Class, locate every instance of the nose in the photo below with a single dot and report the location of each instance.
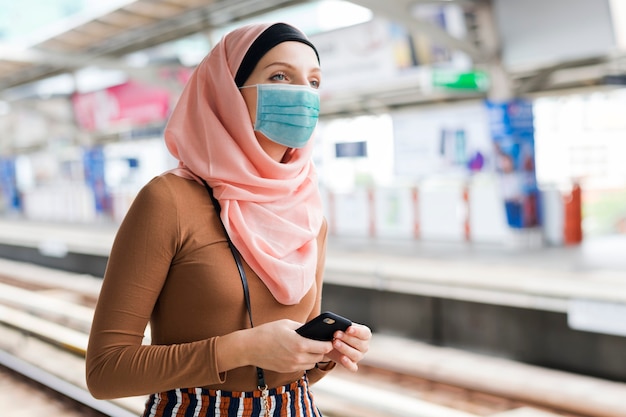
(301, 79)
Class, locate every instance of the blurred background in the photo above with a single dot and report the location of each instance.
(435, 98)
(471, 156)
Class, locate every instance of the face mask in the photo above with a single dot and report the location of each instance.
(286, 114)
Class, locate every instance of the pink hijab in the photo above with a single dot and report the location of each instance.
(272, 211)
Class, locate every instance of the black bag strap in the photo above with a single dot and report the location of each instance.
(242, 274)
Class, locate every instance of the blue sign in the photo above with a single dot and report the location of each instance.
(350, 149)
(511, 124)
(8, 184)
(94, 176)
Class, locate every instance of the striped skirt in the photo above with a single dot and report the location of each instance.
(291, 400)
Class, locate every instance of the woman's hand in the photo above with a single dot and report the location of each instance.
(274, 346)
(350, 347)
(277, 347)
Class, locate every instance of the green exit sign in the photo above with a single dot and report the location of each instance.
(456, 80)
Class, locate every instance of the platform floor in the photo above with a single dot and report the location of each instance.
(595, 267)
(593, 254)
(518, 274)
(600, 253)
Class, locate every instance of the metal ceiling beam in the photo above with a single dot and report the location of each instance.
(194, 21)
(222, 12)
(587, 69)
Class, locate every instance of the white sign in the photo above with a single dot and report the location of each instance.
(436, 139)
(597, 316)
(359, 55)
(556, 34)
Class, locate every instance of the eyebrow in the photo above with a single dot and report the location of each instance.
(286, 64)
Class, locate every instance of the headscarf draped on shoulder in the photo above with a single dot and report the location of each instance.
(272, 211)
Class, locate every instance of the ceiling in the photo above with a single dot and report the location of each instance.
(104, 39)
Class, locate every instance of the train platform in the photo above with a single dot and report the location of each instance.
(561, 306)
(586, 282)
(541, 277)
(592, 254)
(530, 276)
(529, 389)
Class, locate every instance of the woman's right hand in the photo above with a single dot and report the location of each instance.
(279, 348)
(273, 346)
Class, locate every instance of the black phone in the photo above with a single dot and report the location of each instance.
(324, 326)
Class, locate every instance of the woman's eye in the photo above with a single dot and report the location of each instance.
(314, 84)
(278, 77)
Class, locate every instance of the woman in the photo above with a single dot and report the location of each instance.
(171, 265)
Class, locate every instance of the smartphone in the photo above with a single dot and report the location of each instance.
(324, 326)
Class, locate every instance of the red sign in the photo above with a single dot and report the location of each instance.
(128, 104)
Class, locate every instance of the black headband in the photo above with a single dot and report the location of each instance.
(272, 36)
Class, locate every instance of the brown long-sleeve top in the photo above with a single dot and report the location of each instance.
(171, 266)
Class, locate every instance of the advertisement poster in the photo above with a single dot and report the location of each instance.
(512, 130)
(437, 140)
(8, 185)
(128, 104)
(94, 177)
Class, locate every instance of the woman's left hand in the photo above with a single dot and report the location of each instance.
(350, 346)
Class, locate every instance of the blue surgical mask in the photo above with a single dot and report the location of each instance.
(286, 114)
